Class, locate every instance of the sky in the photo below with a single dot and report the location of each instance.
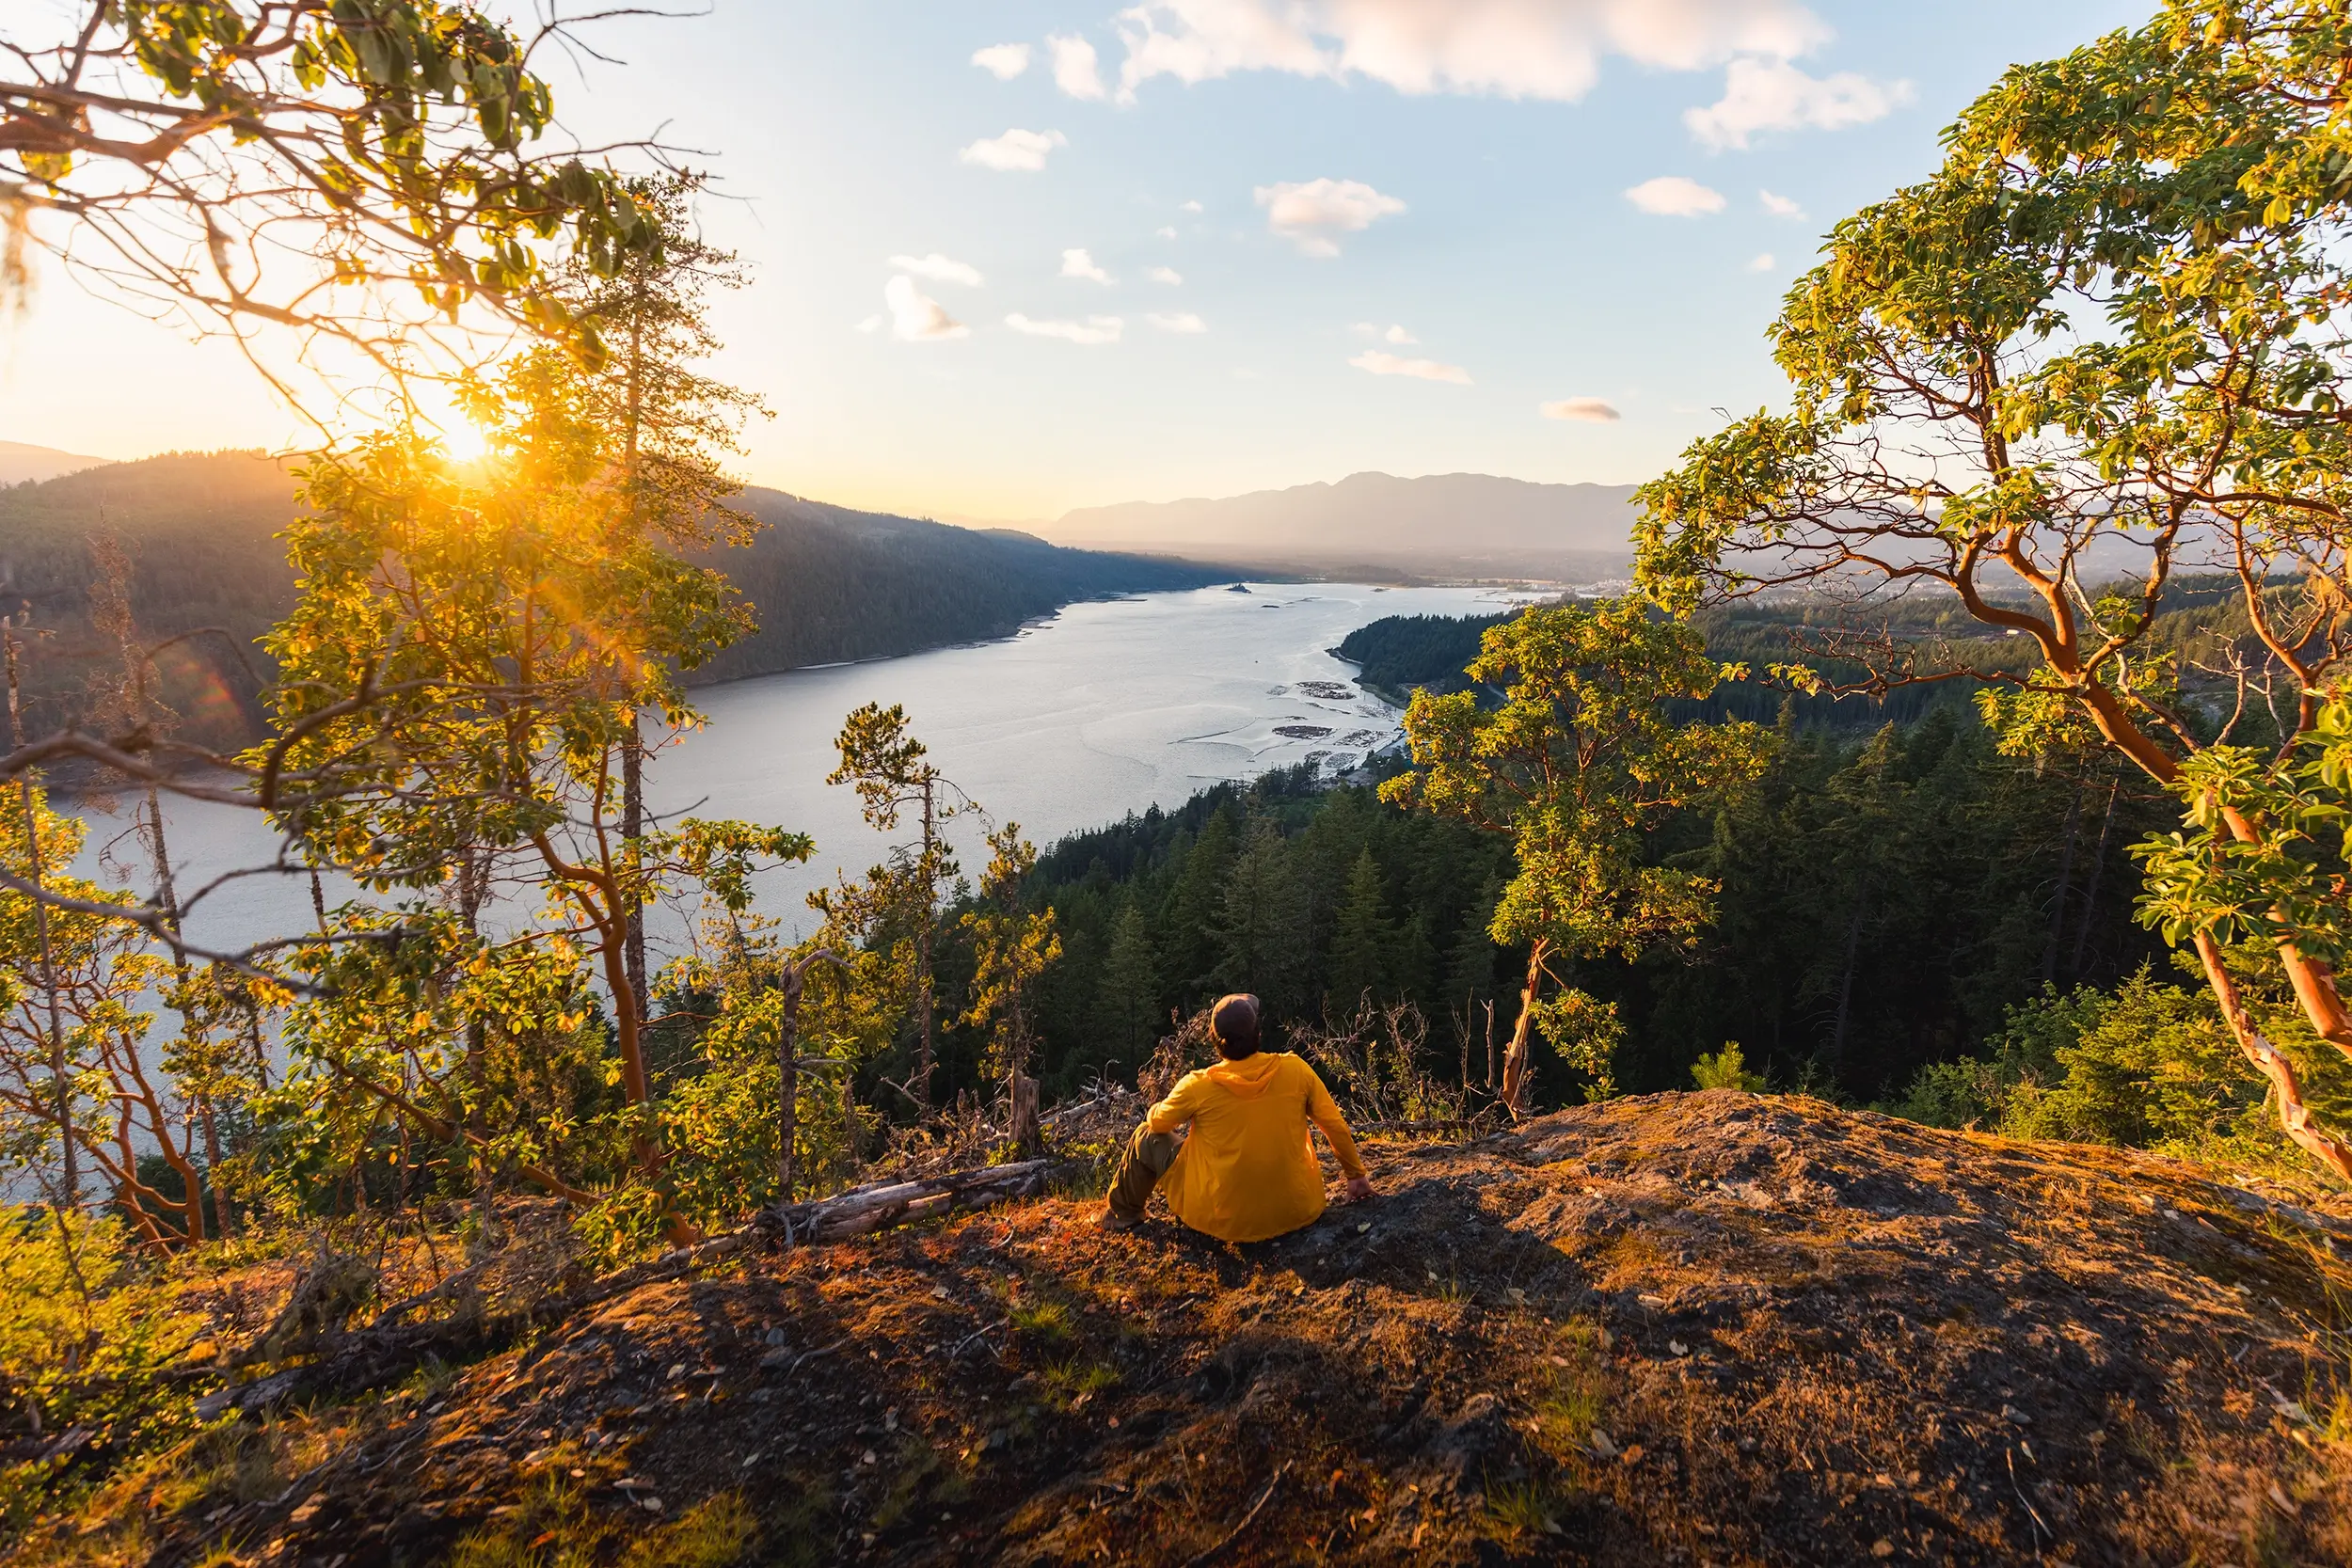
(1012, 259)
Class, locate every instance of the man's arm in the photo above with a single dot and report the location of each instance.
(1324, 1113)
(1178, 1108)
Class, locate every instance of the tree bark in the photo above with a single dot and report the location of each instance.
(1021, 1092)
(789, 1066)
(2313, 981)
(2294, 1115)
(1515, 1060)
(633, 829)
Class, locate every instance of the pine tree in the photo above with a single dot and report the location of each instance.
(1197, 904)
(1259, 928)
(1470, 964)
(1360, 946)
(1126, 1010)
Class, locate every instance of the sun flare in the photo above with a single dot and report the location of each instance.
(462, 440)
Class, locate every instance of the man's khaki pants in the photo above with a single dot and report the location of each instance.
(1141, 1164)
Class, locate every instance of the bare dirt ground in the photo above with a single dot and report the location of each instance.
(1702, 1329)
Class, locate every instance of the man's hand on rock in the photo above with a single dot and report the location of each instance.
(1359, 1188)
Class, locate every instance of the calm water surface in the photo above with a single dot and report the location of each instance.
(1104, 709)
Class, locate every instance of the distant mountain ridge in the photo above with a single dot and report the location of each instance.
(1434, 521)
(830, 585)
(21, 463)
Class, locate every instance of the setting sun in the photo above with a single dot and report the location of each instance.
(463, 440)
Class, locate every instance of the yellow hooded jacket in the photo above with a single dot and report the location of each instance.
(1248, 1172)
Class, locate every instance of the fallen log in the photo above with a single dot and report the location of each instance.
(880, 1205)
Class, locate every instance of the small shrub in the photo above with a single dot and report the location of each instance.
(1726, 1069)
(1377, 1066)
(87, 1328)
(1049, 1321)
(555, 1527)
(2146, 1066)
(1073, 1379)
(1523, 1508)
(713, 1534)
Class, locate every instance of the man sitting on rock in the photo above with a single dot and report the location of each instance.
(1247, 1171)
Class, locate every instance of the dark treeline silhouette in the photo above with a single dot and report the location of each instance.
(1397, 653)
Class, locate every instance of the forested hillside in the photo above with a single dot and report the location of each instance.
(1869, 923)
(833, 585)
(1397, 653)
(200, 535)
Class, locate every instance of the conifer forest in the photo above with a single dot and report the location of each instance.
(1843, 1026)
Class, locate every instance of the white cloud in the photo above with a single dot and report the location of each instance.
(1761, 264)
(916, 317)
(1168, 232)
(1672, 195)
(1074, 70)
(1090, 333)
(1779, 206)
(1015, 151)
(1379, 363)
(871, 324)
(1310, 212)
(1180, 321)
(1515, 48)
(1393, 334)
(1775, 95)
(1189, 207)
(1003, 61)
(1169, 276)
(1077, 264)
(1398, 335)
(939, 269)
(1598, 410)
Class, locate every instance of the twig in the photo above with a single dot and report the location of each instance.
(988, 1328)
(2023, 1498)
(827, 1350)
(1247, 1520)
(447, 1287)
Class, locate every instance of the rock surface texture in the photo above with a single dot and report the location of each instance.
(1685, 1328)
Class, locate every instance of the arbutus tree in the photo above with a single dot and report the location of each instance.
(473, 648)
(1579, 759)
(376, 177)
(364, 172)
(2103, 344)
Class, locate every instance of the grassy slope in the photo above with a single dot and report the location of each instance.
(1706, 1327)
